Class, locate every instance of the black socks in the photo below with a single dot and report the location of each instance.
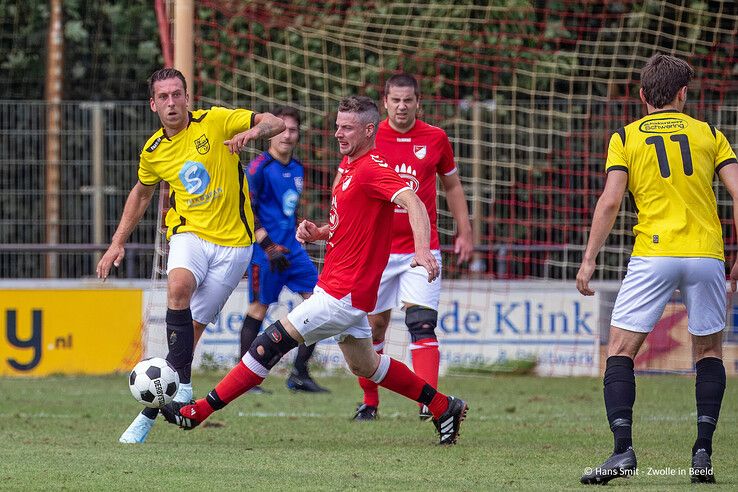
(620, 393)
(304, 352)
(249, 331)
(181, 342)
(709, 389)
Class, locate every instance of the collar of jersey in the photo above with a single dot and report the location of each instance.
(189, 120)
(386, 120)
(352, 164)
(274, 159)
(664, 111)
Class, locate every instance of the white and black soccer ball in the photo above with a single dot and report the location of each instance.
(153, 382)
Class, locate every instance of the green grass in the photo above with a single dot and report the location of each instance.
(522, 432)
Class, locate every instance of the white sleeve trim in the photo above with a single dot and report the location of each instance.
(454, 170)
(399, 191)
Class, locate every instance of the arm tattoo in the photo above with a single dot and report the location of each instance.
(265, 129)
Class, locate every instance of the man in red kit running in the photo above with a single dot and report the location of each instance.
(419, 152)
(358, 247)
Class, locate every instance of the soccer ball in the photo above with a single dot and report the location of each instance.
(153, 382)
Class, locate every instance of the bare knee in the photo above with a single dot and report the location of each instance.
(180, 286)
(379, 323)
(361, 370)
(624, 343)
(707, 346)
(257, 310)
(360, 358)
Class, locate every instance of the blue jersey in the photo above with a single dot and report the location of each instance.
(275, 193)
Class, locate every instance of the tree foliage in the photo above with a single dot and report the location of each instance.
(110, 48)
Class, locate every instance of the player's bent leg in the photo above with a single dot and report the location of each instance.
(448, 412)
(368, 410)
(299, 378)
(421, 324)
(709, 390)
(180, 342)
(264, 353)
(181, 284)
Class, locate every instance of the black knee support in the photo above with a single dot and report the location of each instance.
(421, 322)
(271, 345)
(180, 342)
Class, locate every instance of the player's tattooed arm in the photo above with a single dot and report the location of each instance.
(266, 126)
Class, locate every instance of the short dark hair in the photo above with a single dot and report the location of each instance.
(363, 106)
(164, 74)
(287, 111)
(662, 78)
(402, 80)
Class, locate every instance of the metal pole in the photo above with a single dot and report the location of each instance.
(477, 264)
(98, 181)
(184, 47)
(53, 94)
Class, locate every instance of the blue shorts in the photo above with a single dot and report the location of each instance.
(265, 285)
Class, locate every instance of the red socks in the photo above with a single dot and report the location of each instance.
(402, 380)
(426, 358)
(371, 392)
(438, 405)
(237, 382)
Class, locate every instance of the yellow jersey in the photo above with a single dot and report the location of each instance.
(208, 192)
(671, 160)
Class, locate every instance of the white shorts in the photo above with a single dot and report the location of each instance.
(651, 281)
(401, 284)
(217, 270)
(322, 316)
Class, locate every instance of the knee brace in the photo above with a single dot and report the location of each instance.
(421, 322)
(271, 345)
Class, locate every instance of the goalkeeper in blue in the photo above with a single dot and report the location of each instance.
(275, 183)
(668, 161)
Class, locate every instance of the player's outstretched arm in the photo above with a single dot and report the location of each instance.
(308, 232)
(729, 176)
(605, 213)
(456, 200)
(136, 203)
(420, 225)
(266, 126)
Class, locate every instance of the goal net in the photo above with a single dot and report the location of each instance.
(529, 93)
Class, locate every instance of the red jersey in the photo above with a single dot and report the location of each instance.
(358, 243)
(418, 156)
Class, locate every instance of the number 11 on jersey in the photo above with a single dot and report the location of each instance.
(660, 146)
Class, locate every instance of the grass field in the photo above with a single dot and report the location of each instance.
(522, 432)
